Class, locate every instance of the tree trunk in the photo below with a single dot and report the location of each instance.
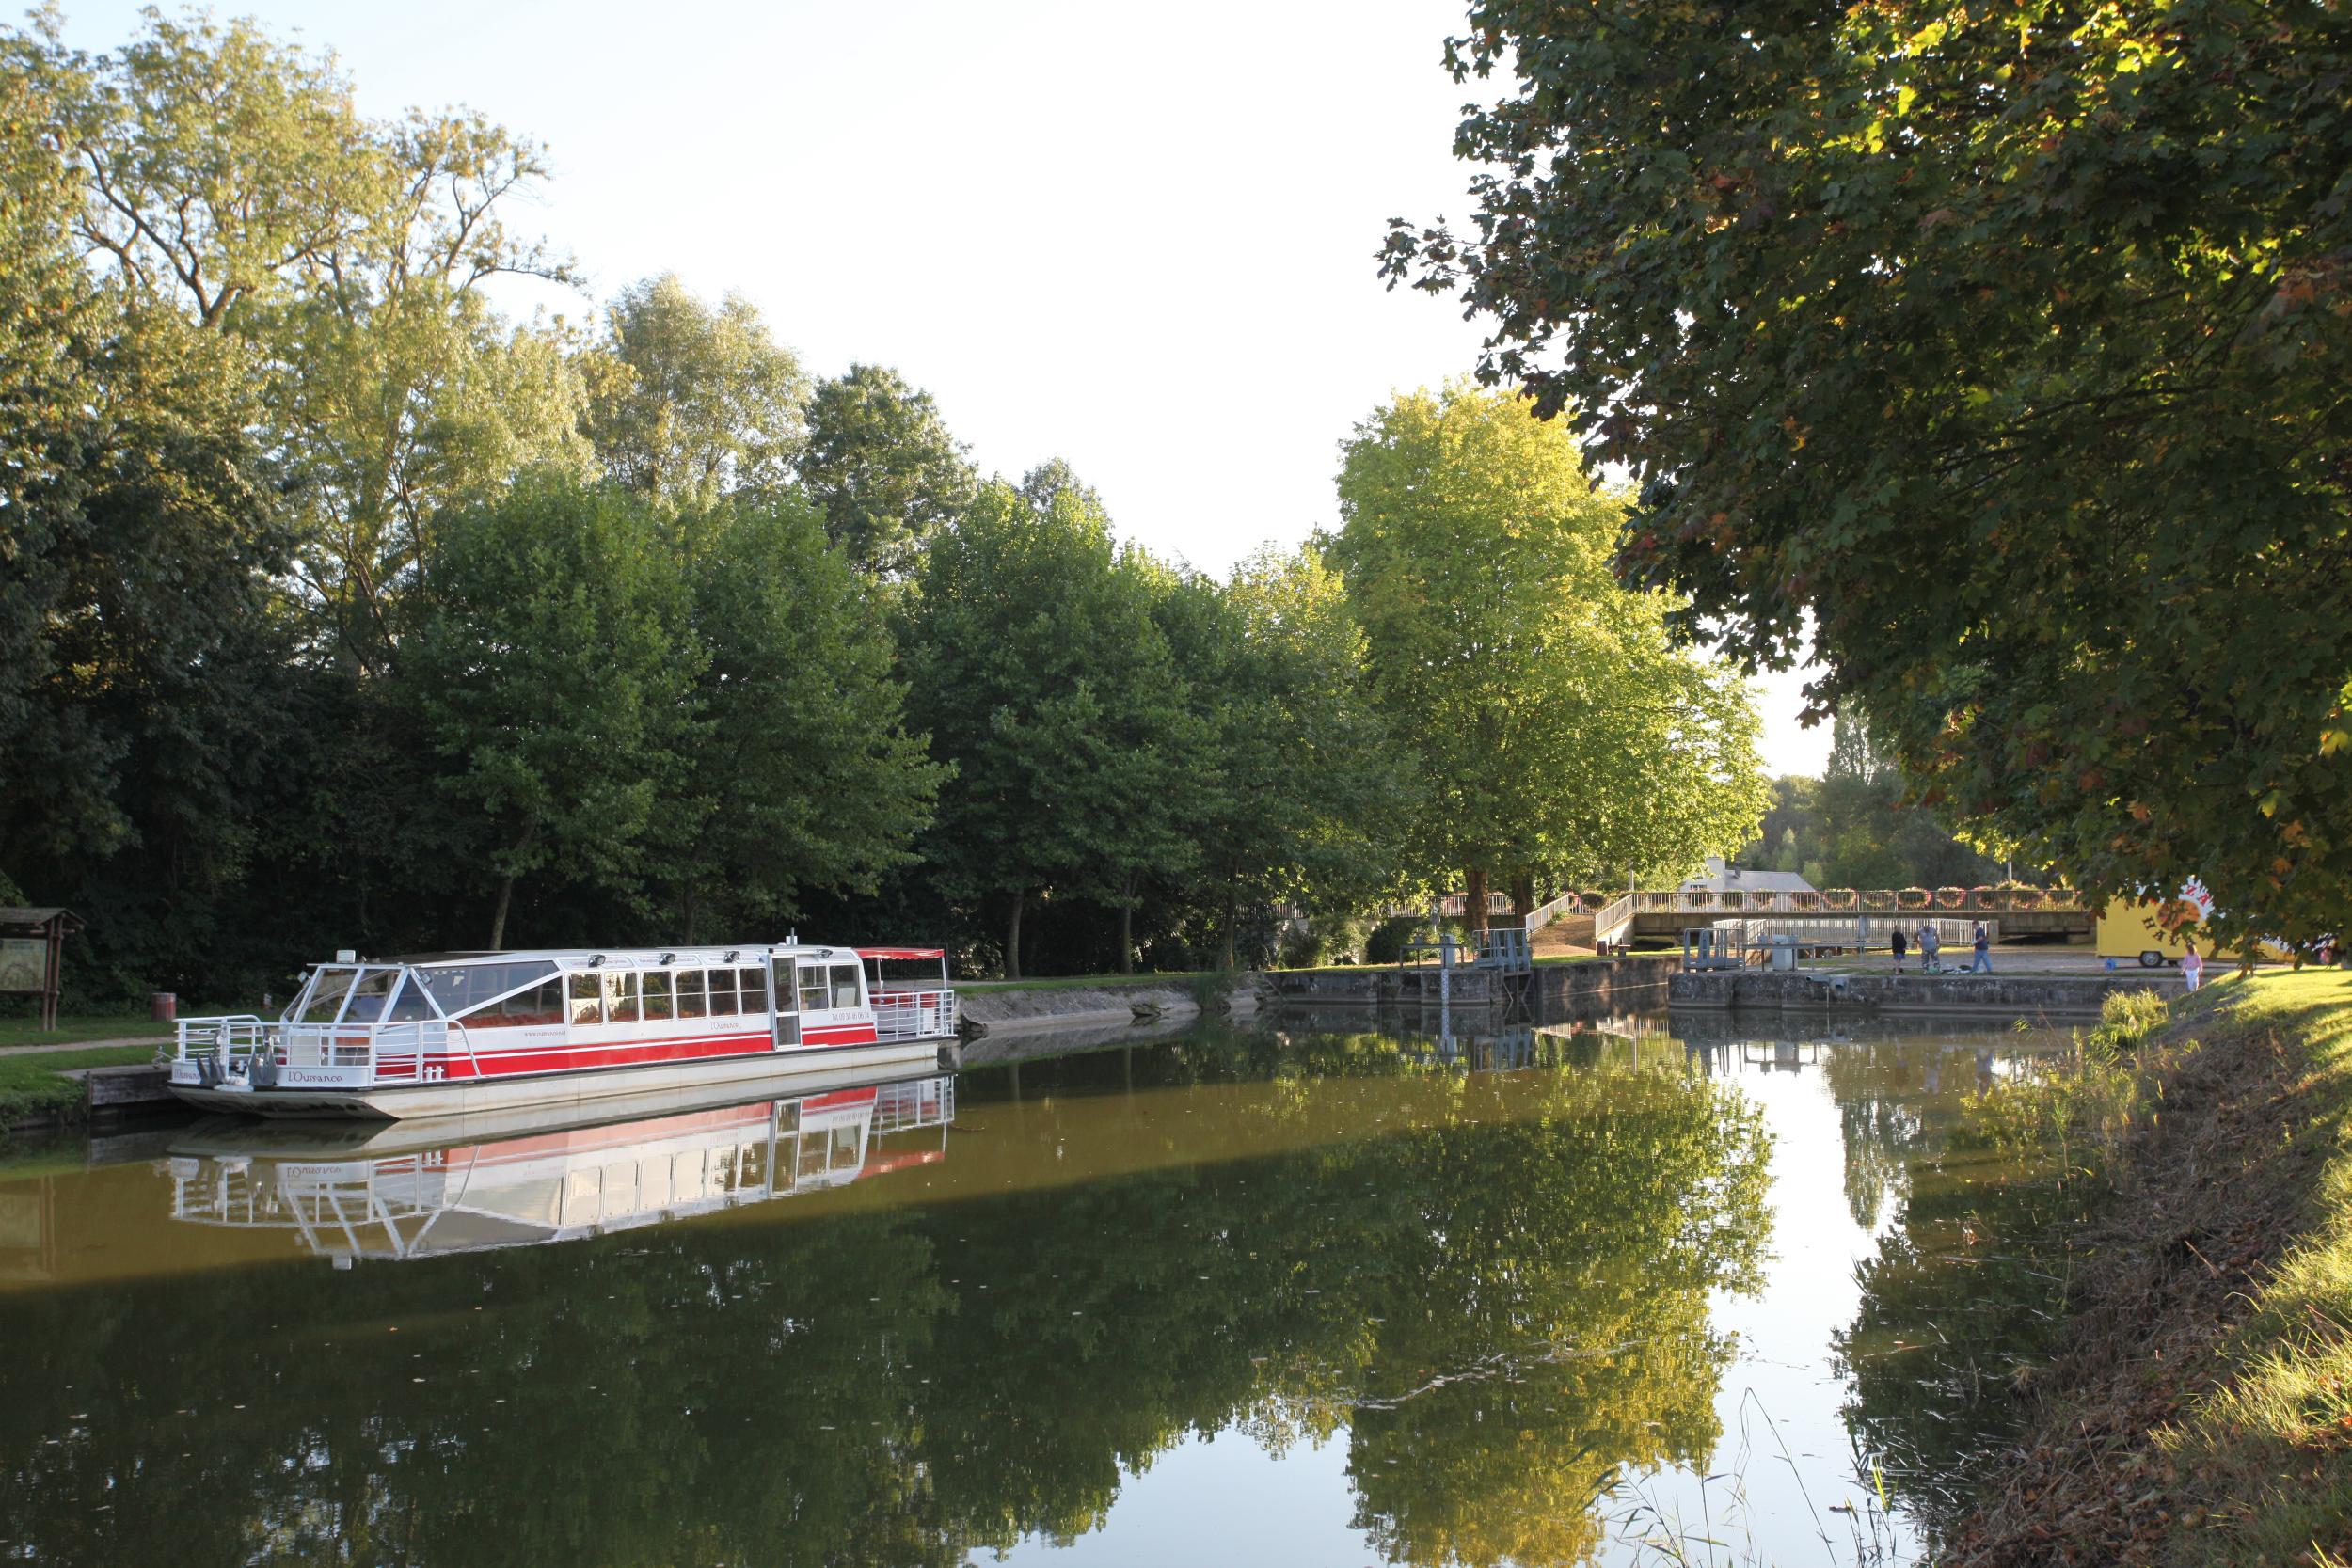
(498, 921)
(1231, 915)
(1523, 895)
(1126, 939)
(1474, 902)
(506, 889)
(1013, 936)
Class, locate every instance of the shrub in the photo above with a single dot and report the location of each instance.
(1912, 898)
(1385, 944)
(2127, 1021)
(1838, 898)
(1592, 900)
(1878, 898)
(1804, 900)
(1951, 897)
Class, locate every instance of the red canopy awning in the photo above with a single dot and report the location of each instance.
(903, 952)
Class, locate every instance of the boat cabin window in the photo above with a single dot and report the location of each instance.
(816, 994)
(722, 993)
(620, 996)
(751, 988)
(693, 1001)
(587, 999)
(411, 1006)
(845, 986)
(542, 1003)
(656, 992)
(462, 988)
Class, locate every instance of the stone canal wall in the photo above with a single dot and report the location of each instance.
(2010, 996)
(1611, 983)
(1023, 1009)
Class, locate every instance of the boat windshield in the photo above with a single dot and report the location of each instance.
(348, 994)
(329, 987)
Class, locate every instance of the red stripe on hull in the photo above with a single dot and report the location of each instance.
(587, 1057)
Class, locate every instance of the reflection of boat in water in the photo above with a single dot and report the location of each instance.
(394, 1196)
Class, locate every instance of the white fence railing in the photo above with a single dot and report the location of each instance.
(1614, 919)
(1544, 915)
(914, 1015)
(399, 1052)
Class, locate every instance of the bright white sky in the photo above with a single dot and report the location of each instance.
(1140, 238)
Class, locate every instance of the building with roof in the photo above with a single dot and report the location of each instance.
(1731, 878)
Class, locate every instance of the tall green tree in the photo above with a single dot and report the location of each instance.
(881, 464)
(1557, 729)
(2008, 343)
(345, 255)
(1037, 667)
(1311, 791)
(698, 401)
(804, 768)
(556, 674)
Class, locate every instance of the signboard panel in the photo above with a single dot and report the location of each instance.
(23, 963)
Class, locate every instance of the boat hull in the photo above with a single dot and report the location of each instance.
(588, 1088)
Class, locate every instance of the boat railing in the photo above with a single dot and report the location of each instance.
(233, 1038)
(913, 1015)
(384, 1052)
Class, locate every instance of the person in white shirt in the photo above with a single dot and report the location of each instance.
(2192, 967)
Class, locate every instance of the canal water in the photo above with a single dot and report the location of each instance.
(1335, 1291)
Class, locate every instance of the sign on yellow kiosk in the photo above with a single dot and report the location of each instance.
(2134, 929)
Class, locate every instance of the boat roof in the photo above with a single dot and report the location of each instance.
(903, 952)
(707, 953)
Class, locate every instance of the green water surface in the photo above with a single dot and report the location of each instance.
(1330, 1292)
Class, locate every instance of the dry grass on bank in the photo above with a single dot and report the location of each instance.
(2199, 1412)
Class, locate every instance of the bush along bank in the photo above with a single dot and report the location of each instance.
(2198, 1407)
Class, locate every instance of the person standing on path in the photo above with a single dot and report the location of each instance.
(1982, 962)
(2192, 967)
(1931, 948)
(1900, 946)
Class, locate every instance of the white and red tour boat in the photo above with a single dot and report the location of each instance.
(473, 1033)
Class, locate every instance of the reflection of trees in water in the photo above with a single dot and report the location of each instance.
(1964, 1290)
(1502, 1289)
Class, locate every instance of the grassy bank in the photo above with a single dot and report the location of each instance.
(35, 1087)
(82, 1026)
(2200, 1410)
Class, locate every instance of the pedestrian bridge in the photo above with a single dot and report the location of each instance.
(1589, 920)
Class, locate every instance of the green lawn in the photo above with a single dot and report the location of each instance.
(81, 1026)
(36, 1085)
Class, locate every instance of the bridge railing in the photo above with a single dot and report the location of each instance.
(1837, 901)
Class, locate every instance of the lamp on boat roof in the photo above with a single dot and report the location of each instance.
(597, 961)
(669, 958)
(731, 954)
